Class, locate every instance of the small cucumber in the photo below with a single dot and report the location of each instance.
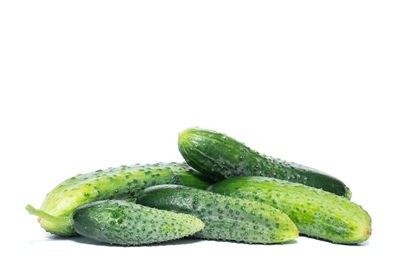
(221, 156)
(225, 218)
(316, 212)
(126, 223)
(122, 182)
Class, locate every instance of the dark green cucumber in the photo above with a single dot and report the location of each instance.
(221, 156)
(126, 223)
(121, 182)
(316, 212)
(225, 218)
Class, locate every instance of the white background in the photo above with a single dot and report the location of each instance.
(92, 84)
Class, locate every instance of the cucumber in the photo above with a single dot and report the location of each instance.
(122, 182)
(126, 223)
(221, 156)
(225, 218)
(316, 213)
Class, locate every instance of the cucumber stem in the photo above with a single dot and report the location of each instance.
(42, 214)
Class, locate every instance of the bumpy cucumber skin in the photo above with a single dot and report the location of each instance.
(121, 182)
(126, 223)
(221, 156)
(225, 218)
(316, 213)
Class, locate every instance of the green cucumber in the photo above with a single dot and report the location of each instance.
(56, 211)
(220, 156)
(126, 223)
(316, 213)
(225, 218)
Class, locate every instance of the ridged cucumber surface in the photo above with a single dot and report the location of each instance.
(126, 223)
(220, 156)
(316, 212)
(56, 211)
(225, 218)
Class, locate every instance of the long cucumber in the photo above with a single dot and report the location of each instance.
(225, 218)
(126, 223)
(220, 156)
(126, 181)
(315, 212)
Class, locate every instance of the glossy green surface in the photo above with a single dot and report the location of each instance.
(225, 218)
(121, 182)
(316, 212)
(125, 223)
(220, 156)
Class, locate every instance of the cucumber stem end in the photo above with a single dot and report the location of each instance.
(41, 214)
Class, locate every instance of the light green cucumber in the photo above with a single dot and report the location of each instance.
(316, 213)
(56, 211)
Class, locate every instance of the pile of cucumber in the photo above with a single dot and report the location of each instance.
(224, 191)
